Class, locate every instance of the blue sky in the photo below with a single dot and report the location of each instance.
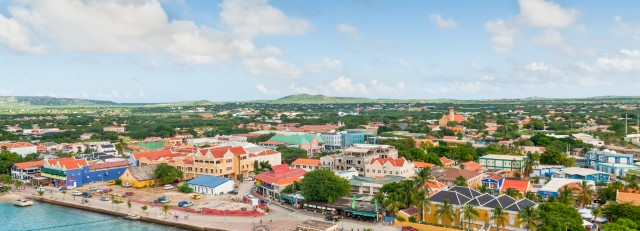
(160, 51)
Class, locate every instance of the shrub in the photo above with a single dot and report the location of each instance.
(184, 187)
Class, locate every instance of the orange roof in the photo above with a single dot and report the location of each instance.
(272, 143)
(399, 162)
(68, 163)
(307, 162)
(628, 195)
(154, 154)
(446, 161)
(450, 137)
(472, 165)
(495, 177)
(41, 148)
(420, 164)
(31, 164)
(520, 185)
(287, 181)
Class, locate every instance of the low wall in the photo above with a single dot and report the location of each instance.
(423, 227)
(122, 214)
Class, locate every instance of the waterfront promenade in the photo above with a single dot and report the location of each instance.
(278, 219)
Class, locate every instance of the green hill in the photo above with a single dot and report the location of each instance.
(49, 101)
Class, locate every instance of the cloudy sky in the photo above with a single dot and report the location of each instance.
(163, 50)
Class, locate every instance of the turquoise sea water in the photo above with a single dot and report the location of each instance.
(43, 216)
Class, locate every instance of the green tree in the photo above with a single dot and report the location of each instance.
(460, 181)
(566, 196)
(445, 210)
(483, 188)
(513, 193)
(291, 154)
(469, 212)
(64, 194)
(617, 211)
(622, 225)
(499, 217)
(184, 187)
(324, 186)
(144, 209)
(393, 203)
(167, 173)
(129, 205)
(585, 193)
(559, 216)
(116, 202)
(529, 216)
(7, 159)
(165, 210)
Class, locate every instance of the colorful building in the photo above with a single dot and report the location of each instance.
(310, 143)
(272, 182)
(507, 162)
(26, 170)
(139, 176)
(306, 164)
(595, 157)
(72, 172)
(379, 167)
(583, 174)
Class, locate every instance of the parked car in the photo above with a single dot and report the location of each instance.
(40, 189)
(162, 200)
(249, 178)
(105, 190)
(70, 187)
(86, 195)
(233, 192)
(408, 228)
(76, 193)
(92, 189)
(332, 218)
(168, 187)
(126, 184)
(63, 188)
(185, 204)
(128, 194)
(104, 198)
(195, 197)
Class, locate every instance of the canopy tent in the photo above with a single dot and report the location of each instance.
(586, 216)
(586, 223)
(601, 219)
(582, 211)
(364, 214)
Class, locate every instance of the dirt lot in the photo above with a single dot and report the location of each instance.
(227, 201)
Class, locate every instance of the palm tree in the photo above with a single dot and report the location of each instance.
(18, 184)
(460, 181)
(499, 217)
(529, 164)
(64, 194)
(566, 196)
(422, 178)
(445, 210)
(585, 196)
(392, 203)
(530, 216)
(469, 212)
(513, 193)
(596, 212)
(533, 196)
(165, 210)
(483, 188)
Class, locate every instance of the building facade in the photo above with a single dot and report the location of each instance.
(379, 167)
(507, 162)
(357, 156)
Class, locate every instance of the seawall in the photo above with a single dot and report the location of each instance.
(122, 214)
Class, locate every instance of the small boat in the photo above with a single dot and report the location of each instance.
(132, 217)
(22, 202)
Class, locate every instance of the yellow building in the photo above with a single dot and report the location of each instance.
(484, 203)
(139, 176)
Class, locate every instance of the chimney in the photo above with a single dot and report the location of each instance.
(451, 113)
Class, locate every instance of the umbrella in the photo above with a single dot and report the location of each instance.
(586, 223)
(601, 219)
(587, 216)
(581, 211)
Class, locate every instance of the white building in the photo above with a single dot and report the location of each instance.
(379, 167)
(211, 185)
(21, 148)
(113, 129)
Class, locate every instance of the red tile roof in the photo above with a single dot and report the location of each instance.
(420, 164)
(16, 145)
(399, 162)
(154, 154)
(521, 185)
(452, 174)
(68, 163)
(495, 177)
(287, 181)
(472, 165)
(445, 161)
(280, 172)
(306, 162)
(31, 164)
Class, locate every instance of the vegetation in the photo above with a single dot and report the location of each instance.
(324, 186)
(167, 173)
(585, 194)
(291, 154)
(559, 216)
(184, 187)
(529, 216)
(499, 217)
(445, 210)
(469, 212)
(165, 210)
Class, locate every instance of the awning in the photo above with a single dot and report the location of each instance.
(54, 172)
(364, 214)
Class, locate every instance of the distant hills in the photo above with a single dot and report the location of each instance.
(25, 101)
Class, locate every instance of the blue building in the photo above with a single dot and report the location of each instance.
(79, 172)
(594, 157)
(493, 184)
(583, 174)
(618, 170)
(546, 170)
(339, 140)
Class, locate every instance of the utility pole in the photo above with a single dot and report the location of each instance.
(626, 127)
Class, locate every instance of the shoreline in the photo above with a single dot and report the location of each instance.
(165, 222)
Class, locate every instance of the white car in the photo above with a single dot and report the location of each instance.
(168, 187)
(126, 184)
(76, 193)
(248, 179)
(40, 189)
(70, 187)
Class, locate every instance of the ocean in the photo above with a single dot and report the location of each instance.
(43, 216)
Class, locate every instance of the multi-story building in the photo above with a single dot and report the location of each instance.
(507, 162)
(310, 143)
(448, 176)
(357, 156)
(379, 167)
(583, 174)
(113, 129)
(26, 170)
(306, 164)
(339, 140)
(272, 182)
(72, 172)
(595, 157)
(21, 148)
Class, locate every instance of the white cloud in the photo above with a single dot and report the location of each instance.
(343, 86)
(475, 66)
(4, 91)
(461, 87)
(624, 61)
(265, 91)
(536, 67)
(443, 23)
(144, 27)
(545, 14)
(534, 14)
(504, 37)
(349, 30)
(405, 64)
(486, 78)
(248, 18)
(271, 66)
(141, 94)
(626, 29)
(325, 64)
